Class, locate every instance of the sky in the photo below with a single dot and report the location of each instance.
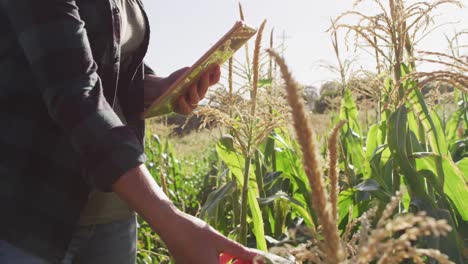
(181, 31)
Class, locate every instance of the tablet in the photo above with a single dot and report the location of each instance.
(220, 52)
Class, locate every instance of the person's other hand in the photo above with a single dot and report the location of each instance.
(185, 104)
(191, 240)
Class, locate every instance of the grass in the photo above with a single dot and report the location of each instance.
(188, 146)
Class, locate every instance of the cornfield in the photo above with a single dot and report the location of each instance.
(390, 189)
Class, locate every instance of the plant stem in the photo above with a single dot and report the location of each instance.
(245, 189)
(397, 49)
(250, 140)
(235, 202)
(259, 173)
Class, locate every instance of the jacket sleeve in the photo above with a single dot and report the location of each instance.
(55, 44)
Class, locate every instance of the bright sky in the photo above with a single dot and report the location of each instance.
(183, 30)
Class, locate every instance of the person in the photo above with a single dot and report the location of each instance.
(73, 85)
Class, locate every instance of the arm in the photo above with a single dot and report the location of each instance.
(189, 239)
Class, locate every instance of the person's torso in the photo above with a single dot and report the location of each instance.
(40, 173)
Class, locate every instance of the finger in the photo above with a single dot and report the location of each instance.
(193, 97)
(203, 84)
(183, 107)
(235, 249)
(215, 74)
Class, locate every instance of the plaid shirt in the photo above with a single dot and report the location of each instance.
(59, 136)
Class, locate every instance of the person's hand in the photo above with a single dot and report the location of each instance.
(185, 104)
(191, 240)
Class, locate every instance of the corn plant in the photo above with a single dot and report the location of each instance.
(260, 155)
(382, 243)
(408, 148)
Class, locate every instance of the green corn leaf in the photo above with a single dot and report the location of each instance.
(375, 139)
(417, 130)
(345, 205)
(398, 134)
(463, 166)
(378, 155)
(289, 163)
(297, 206)
(351, 136)
(264, 82)
(451, 127)
(430, 121)
(350, 112)
(216, 198)
(281, 207)
(455, 185)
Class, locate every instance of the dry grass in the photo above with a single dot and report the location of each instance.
(393, 240)
(189, 146)
(392, 33)
(322, 123)
(455, 72)
(256, 62)
(333, 173)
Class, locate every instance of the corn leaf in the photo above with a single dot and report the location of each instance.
(430, 121)
(398, 135)
(455, 185)
(345, 205)
(288, 162)
(463, 166)
(215, 198)
(451, 127)
(296, 205)
(351, 136)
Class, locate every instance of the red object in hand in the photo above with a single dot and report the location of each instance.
(225, 258)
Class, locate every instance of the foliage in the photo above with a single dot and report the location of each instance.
(267, 188)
